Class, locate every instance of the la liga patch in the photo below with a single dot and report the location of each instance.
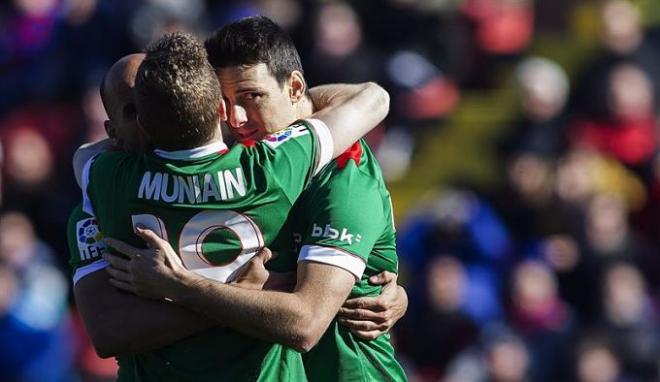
(90, 239)
(276, 139)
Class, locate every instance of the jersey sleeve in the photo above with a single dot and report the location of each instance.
(100, 176)
(297, 153)
(85, 244)
(84, 227)
(345, 218)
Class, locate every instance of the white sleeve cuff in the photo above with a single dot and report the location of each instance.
(87, 203)
(333, 256)
(84, 153)
(87, 269)
(325, 143)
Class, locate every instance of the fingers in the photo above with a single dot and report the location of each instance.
(118, 274)
(362, 315)
(117, 262)
(371, 303)
(149, 236)
(363, 325)
(122, 285)
(383, 278)
(265, 255)
(122, 247)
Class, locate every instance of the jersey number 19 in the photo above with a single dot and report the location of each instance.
(196, 230)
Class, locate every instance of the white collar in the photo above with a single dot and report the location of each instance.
(191, 154)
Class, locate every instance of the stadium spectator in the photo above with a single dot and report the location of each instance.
(629, 321)
(597, 362)
(500, 357)
(543, 320)
(441, 319)
(628, 132)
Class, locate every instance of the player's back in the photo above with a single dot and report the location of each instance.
(215, 211)
(216, 207)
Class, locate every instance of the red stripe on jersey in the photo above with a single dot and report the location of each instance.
(223, 151)
(354, 152)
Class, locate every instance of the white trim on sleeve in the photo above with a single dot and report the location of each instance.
(333, 256)
(84, 153)
(87, 203)
(325, 143)
(89, 268)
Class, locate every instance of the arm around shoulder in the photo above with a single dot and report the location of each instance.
(350, 111)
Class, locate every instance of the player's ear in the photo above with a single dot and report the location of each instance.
(297, 86)
(222, 110)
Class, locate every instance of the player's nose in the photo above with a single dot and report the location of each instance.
(237, 116)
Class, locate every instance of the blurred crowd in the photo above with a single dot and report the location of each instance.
(551, 273)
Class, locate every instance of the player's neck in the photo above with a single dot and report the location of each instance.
(217, 137)
(305, 108)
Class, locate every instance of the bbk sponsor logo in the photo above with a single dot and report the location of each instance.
(335, 234)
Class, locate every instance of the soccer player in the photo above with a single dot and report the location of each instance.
(343, 219)
(217, 206)
(165, 323)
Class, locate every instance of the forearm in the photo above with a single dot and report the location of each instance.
(121, 324)
(150, 325)
(350, 111)
(331, 95)
(296, 319)
(267, 315)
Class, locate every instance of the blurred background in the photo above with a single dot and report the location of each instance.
(521, 152)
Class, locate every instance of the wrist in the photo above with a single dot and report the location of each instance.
(183, 282)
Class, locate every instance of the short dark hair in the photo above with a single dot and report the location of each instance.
(254, 40)
(177, 93)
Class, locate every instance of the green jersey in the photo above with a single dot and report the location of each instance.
(217, 208)
(344, 218)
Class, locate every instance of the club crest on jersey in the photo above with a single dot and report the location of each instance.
(276, 139)
(90, 242)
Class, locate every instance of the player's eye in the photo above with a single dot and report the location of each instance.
(252, 96)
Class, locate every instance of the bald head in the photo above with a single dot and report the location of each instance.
(119, 103)
(117, 85)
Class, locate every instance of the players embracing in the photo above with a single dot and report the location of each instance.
(218, 207)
